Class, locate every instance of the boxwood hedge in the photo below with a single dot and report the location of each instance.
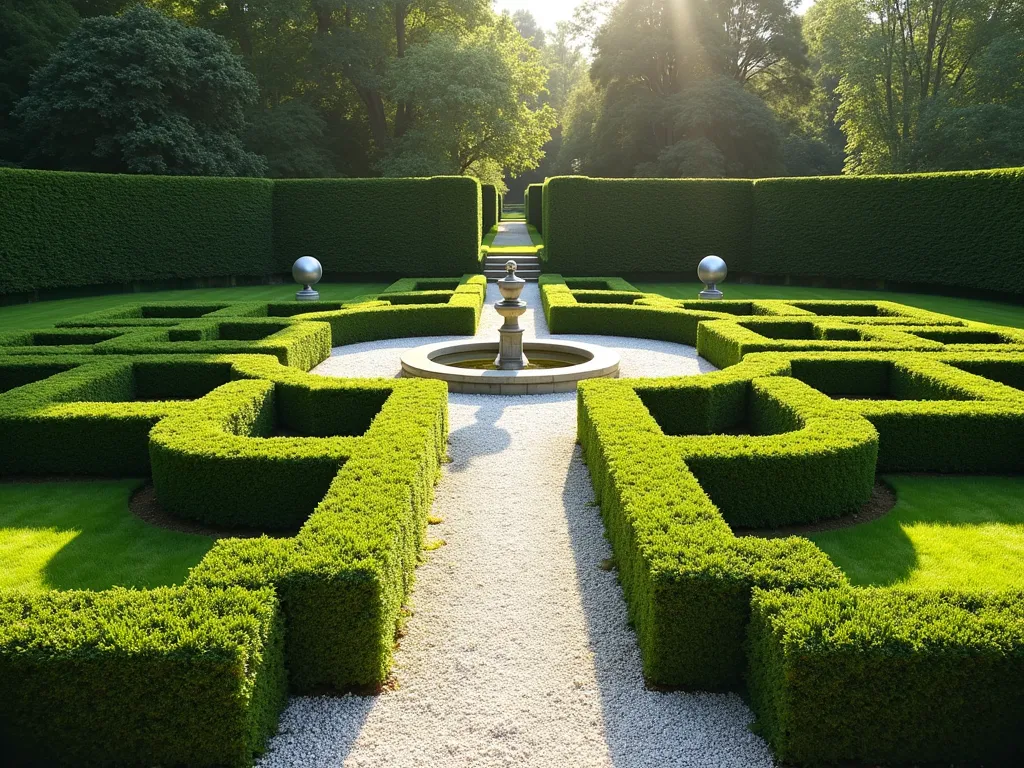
(615, 226)
(676, 462)
(533, 200)
(490, 208)
(889, 676)
(400, 226)
(898, 228)
(370, 452)
(171, 676)
(62, 230)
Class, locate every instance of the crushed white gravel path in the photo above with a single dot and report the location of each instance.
(518, 653)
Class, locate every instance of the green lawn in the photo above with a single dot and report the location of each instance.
(81, 535)
(43, 314)
(996, 312)
(955, 532)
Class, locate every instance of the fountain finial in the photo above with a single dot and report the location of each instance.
(510, 349)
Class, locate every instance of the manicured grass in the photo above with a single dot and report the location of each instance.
(944, 532)
(81, 535)
(998, 313)
(42, 314)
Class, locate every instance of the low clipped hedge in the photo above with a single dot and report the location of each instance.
(889, 676)
(295, 342)
(218, 462)
(95, 416)
(533, 200)
(406, 226)
(686, 577)
(615, 226)
(171, 676)
(421, 312)
(932, 412)
(612, 306)
(57, 341)
(490, 208)
(726, 342)
(835, 673)
(299, 334)
(60, 229)
(368, 452)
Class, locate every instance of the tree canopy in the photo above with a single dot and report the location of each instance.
(628, 87)
(140, 93)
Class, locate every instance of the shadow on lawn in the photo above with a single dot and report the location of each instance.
(960, 507)
(82, 535)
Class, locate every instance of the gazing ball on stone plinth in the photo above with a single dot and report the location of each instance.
(307, 272)
(711, 271)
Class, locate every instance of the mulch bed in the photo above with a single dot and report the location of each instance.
(882, 500)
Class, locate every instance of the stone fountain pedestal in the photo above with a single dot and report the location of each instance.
(471, 366)
(510, 344)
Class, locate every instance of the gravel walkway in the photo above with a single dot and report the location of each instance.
(518, 653)
(512, 233)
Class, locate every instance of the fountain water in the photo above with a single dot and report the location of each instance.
(502, 367)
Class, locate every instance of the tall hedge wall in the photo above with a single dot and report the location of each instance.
(534, 200)
(490, 208)
(60, 230)
(405, 226)
(612, 226)
(919, 228)
(67, 230)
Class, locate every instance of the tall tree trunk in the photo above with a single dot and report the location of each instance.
(403, 111)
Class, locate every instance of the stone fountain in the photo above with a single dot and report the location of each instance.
(502, 367)
(510, 345)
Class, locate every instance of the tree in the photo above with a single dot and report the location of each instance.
(903, 68)
(30, 31)
(529, 29)
(653, 57)
(140, 93)
(474, 106)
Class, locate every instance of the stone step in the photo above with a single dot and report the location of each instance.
(520, 264)
(493, 275)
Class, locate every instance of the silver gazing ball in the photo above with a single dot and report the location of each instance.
(711, 271)
(307, 272)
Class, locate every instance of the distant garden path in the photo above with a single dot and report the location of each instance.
(513, 233)
(518, 652)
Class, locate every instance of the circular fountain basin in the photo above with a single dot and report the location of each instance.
(558, 366)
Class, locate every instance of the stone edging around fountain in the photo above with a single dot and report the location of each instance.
(542, 381)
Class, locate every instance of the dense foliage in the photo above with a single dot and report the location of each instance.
(910, 229)
(290, 88)
(140, 93)
(60, 230)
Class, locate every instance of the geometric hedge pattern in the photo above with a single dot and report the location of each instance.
(814, 398)
(212, 401)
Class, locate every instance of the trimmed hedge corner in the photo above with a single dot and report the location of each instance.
(889, 676)
(490, 209)
(170, 676)
(533, 201)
